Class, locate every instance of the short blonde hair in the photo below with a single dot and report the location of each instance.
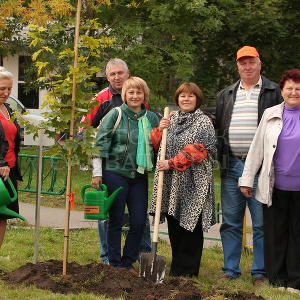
(5, 74)
(136, 82)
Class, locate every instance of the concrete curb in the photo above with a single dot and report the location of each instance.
(54, 217)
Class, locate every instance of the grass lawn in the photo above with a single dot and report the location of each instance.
(17, 250)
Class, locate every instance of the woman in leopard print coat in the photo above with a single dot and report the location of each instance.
(188, 190)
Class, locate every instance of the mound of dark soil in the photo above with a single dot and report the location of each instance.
(98, 279)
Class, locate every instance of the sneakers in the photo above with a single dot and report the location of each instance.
(288, 289)
(259, 280)
(226, 277)
(292, 290)
(133, 271)
(280, 288)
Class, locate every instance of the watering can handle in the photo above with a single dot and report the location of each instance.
(103, 187)
(82, 192)
(15, 195)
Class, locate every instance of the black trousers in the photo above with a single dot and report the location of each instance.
(282, 239)
(186, 248)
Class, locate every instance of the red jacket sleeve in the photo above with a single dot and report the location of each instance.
(101, 97)
(190, 154)
(156, 136)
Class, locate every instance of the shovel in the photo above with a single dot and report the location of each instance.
(153, 266)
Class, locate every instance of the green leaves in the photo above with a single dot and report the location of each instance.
(164, 42)
(37, 53)
(40, 66)
(90, 42)
(53, 56)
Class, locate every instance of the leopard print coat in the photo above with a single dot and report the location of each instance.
(188, 194)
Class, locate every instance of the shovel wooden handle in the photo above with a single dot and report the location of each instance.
(162, 156)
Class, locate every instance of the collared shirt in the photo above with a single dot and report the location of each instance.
(244, 119)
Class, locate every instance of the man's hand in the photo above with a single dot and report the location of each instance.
(246, 191)
(96, 181)
(4, 172)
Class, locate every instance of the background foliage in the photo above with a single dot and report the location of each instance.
(164, 42)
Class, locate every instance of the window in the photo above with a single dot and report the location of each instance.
(28, 96)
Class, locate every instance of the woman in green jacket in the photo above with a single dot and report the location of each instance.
(127, 157)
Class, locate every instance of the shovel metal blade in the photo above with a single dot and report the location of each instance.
(153, 267)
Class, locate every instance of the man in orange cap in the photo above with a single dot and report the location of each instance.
(239, 108)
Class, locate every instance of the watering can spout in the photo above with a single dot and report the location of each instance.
(6, 199)
(6, 211)
(113, 196)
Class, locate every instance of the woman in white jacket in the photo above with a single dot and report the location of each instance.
(275, 151)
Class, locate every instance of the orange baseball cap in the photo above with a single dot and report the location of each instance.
(247, 51)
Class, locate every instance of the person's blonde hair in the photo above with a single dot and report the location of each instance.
(5, 74)
(136, 82)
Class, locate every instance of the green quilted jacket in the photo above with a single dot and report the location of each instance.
(118, 149)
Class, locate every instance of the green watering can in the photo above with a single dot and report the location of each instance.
(6, 199)
(97, 203)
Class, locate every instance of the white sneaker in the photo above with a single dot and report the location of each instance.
(292, 290)
(84, 168)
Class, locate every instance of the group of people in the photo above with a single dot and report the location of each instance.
(255, 136)
(257, 125)
(126, 156)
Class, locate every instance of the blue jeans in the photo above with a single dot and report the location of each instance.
(102, 231)
(145, 245)
(135, 195)
(233, 209)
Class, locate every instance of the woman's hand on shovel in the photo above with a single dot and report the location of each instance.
(164, 123)
(163, 165)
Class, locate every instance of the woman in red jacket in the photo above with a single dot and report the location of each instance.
(9, 144)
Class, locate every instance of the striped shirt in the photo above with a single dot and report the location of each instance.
(243, 123)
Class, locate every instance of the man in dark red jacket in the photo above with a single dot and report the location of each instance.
(116, 73)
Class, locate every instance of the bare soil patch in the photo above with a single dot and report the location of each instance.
(102, 279)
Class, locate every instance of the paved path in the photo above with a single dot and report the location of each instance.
(54, 217)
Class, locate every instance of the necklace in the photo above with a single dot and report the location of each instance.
(5, 113)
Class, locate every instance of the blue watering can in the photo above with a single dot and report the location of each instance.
(6, 199)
